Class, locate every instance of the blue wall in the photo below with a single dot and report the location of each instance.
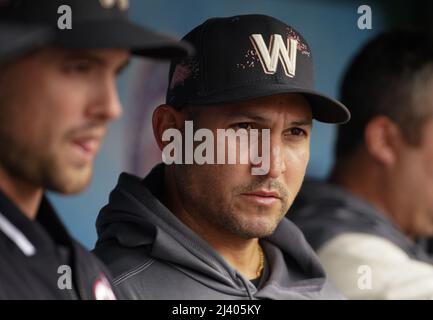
(330, 28)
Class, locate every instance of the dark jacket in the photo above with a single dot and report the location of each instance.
(324, 211)
(35, 257)
(153, 255)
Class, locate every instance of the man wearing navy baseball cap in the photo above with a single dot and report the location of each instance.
(57, 97)
(196, 228)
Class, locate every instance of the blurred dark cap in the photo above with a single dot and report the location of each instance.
(16, 39)
(95, 24)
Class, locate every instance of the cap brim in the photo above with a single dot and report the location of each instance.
(122, 34)
(324, 109)
(17, 40)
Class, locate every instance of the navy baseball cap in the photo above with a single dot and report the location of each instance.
(244, 57)
(94, 24)
(16, 39)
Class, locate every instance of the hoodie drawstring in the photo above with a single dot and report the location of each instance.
(250, 295)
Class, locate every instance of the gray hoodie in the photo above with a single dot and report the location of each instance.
(153, 255)
(324, 211)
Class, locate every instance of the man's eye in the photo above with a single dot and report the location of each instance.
(243, 125)
(297, 132)
(79, 66)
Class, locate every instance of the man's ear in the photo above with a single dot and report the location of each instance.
(382, 139)
(166, 117)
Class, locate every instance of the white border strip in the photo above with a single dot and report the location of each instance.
(16, 236)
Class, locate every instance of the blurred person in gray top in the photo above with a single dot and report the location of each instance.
(364, 222)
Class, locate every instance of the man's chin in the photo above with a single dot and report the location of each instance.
(70, 182)
(256, 228)
(249, 234)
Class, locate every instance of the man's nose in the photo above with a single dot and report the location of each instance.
(107, 106)
(277, 163)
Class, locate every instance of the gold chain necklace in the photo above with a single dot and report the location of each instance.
(262, 262)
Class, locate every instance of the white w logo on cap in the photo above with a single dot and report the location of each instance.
(277, 51)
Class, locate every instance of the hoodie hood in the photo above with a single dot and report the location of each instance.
(136, 219)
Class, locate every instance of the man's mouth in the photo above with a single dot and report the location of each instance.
(88, 146)
(263, 197)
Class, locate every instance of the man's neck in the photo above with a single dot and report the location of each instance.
(24, 195)
(242, 254)
(371, 186)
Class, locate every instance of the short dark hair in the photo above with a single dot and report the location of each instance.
(383, 79)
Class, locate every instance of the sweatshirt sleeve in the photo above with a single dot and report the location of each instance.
(365, 266)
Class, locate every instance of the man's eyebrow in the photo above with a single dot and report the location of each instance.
(96, 59)
(306, 122)
(261, 119)
(247, 114)
(123, 66)
(85, 56)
